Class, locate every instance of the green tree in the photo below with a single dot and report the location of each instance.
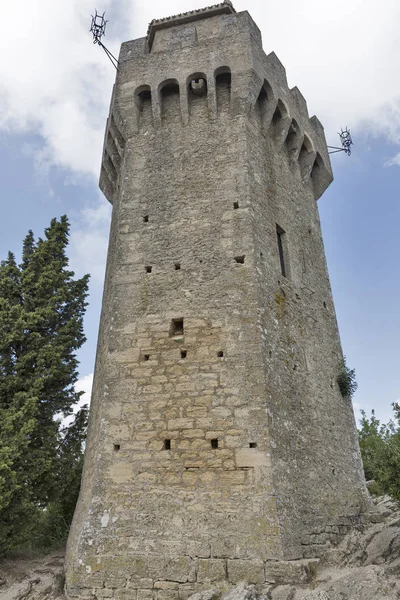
(41, 328)
(380, 451)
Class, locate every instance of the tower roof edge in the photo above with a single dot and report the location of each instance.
(188, 17)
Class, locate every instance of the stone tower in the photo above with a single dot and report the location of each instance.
(219, 446)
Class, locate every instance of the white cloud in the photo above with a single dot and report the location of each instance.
(84, 384)
(343, 56)
(89, 239)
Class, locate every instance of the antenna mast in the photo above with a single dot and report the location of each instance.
(98, 29)
(346, 141)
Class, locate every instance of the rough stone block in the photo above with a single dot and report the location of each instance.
(168, 595)
(178, 569)
(125, 594)
(291, 571)
(166, 585)
(145, 595)
(251, 571)
(211, 570)
(180, 424)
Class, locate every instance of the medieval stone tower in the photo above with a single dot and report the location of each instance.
(220, 448)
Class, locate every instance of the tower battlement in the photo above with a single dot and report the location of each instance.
(208, 45)
(220, 448)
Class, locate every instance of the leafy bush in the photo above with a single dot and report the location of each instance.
(380, 451)
(346, 379)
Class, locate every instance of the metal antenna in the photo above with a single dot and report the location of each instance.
(346, 141)
(98, 29)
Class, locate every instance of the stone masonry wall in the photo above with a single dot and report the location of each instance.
(219, 446)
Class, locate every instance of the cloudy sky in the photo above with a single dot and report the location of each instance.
(55, 89)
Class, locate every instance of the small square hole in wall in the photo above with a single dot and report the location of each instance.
(146, 357)
(177, 266)
(252, 445)
(214, 443)
(146, 219)
(220, 354)
(183, 353)
(236, 205)
(167, 445)
(176, 327)
(117, 447)
(240, 259)
(148, 269)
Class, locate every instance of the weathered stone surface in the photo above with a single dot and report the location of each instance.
(207, 595)
(251, 571)
(363, 583)
(383, 544)
(217, 428)
(283, 592)
(295, 571)
(243, 591)
(211, 570)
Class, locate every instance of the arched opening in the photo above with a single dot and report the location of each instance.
(197, 95)
(321, 177)
(278, 119)
(170, 100)
(143, 102)
(113, 151)
(263, 103)
(306, 156)
(292, 141)
(223, 82)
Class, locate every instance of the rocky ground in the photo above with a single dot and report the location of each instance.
(365, 566)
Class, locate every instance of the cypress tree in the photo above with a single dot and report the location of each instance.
(41, 327)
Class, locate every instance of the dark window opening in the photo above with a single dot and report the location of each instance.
(148, 269)
(117, 447)
(252, 445)
(280, 237)
(176, 327)
(240, 259)
(183, 353)
(220, 354)
(236, 205)
(177, 266)
(146, 357)
(324, 304)
(277, 116)
(146, 219)
(167, 445)
(214, 443)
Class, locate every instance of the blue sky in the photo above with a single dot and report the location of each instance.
(55, 88)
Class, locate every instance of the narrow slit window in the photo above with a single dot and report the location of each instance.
(176, 327)
(220, 354)
(183, 353)
(280, 234)
(167, 445)
(148, 269)
(240, 259)
(146, 357)
(146, 219)
(117, 447)
(177, 266)
(236, 205)
(214, 443)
